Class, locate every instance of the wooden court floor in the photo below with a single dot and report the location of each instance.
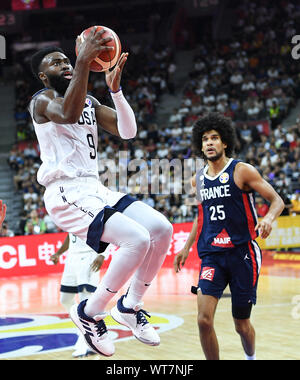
(32, 321)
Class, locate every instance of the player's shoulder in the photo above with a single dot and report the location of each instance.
(42, 97)
(45, 93)
(95, 102)
(244, 167)
(244, 173)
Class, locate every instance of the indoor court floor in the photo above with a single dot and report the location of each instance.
(33, 324)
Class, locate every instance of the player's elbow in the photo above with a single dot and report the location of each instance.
(278, 203)
(281, 205)
(129, 134)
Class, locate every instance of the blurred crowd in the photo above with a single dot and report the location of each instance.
(250, 78)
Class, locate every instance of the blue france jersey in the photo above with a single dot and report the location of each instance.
(227, 215)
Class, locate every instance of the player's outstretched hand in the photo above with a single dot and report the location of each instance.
(2, 212)
(180, 259)
(113, 78)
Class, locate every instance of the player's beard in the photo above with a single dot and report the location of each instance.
(59, 83)
(214, 158)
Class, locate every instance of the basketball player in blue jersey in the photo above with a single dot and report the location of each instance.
(66, 119)
(225, 231)
(2, 212)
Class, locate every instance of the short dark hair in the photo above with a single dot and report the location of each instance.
(219, 123)
(37, 58)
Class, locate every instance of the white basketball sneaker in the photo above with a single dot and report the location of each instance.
(135, 319)
(93, 329)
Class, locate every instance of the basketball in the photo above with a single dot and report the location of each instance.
(107, 59)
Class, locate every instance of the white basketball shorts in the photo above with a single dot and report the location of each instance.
(77, 275)
(82, 205)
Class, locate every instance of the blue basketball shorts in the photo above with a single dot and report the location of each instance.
(237, 267)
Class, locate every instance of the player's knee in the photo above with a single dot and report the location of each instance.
(205, 323)
(142, 241)
(242, 326)
(163, 230)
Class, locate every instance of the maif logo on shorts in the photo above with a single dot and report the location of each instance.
(207, 274)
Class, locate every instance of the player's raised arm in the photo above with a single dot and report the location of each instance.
(121, 121)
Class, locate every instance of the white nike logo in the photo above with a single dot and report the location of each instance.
(246, 257)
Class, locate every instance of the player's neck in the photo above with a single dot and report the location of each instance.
(215, 167)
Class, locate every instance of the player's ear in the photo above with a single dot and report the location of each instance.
(42, 75)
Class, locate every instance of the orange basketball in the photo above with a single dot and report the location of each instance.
(107, 59)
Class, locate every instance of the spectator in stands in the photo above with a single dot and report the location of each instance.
(295, 210)
(287, 204)
(246, 134)
(22, 221)
(49, 225)
(5, 231)
(35, 225)
(2, 211)
(30, 194)
(30, 152)
(261, 207)
(274, 115)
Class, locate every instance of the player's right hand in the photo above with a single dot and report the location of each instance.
(180, 259)
(54, 258)
(93, 45)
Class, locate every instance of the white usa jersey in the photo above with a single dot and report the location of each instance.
(76, 245)
(67, 150)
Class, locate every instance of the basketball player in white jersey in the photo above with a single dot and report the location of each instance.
(2, 212)
(65, 119)
(80, 276)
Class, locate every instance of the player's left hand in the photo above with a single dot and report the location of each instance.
(113, 78)
(97, 263)
(264, 227)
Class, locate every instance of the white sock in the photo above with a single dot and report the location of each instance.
(252, 357)
(135, 295)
